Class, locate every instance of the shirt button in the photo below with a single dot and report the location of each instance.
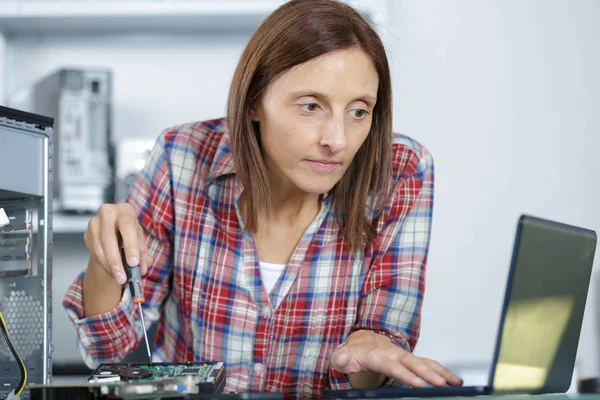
(266, 312)
(258, 368)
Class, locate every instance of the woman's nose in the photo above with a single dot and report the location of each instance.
(334, 135)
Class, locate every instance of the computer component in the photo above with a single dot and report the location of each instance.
(25, 247)
(161, 379)
(541, 318)
(80, 101)
(8, 340)
(16, 237)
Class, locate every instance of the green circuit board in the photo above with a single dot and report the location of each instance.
(173, 371)
(201, 372)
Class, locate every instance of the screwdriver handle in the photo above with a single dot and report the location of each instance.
(134, 279)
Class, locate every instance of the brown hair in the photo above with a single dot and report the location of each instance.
(293, 34)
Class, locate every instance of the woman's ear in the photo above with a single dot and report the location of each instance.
(254, 114)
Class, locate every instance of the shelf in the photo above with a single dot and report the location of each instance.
(133, 16)
(110, 16)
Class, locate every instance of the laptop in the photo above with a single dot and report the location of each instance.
(541, 316)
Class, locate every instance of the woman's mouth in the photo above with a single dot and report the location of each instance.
(323, 165)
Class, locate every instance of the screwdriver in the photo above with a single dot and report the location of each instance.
(134, 279)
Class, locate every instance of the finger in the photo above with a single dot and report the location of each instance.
(445, 373)
(91, 237)
(392, 364)
(423, 370)
(400, 373)
(340, 361)
(149, 262)
(145, 259)
(129, 235)
(110, 244)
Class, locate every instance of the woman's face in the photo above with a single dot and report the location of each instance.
(314, 118)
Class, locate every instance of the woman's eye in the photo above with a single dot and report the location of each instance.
(310, 107)
(360, 113)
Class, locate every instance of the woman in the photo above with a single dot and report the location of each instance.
(288, 240)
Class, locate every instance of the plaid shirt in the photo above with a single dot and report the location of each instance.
(204, 287)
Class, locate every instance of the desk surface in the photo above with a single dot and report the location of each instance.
(269, 396)
(573, 396)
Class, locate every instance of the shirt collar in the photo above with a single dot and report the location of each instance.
(223, 162)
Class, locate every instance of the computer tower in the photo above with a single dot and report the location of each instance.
(25, 246)
(80, 102)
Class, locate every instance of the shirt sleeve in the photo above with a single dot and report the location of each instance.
(109, 337)
(392, 292)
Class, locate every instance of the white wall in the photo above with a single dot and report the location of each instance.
(2, 61)
(506, 95)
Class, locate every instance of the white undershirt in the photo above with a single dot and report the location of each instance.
(270, 273)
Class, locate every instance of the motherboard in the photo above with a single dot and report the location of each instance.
(131, 381)
(205, 372)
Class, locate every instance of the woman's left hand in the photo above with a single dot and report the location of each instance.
(368, 352)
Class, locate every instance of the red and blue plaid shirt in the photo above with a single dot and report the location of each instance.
(204, 288)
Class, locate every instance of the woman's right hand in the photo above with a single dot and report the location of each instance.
(116, 224)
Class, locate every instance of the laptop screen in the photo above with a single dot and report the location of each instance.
(543, 311)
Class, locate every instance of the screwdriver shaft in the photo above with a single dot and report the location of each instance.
(145, 334)
(136, 286)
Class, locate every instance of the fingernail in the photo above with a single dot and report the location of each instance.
(120, 278)
(133, 261)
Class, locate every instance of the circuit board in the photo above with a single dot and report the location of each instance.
(162, 379)
(201, 371)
